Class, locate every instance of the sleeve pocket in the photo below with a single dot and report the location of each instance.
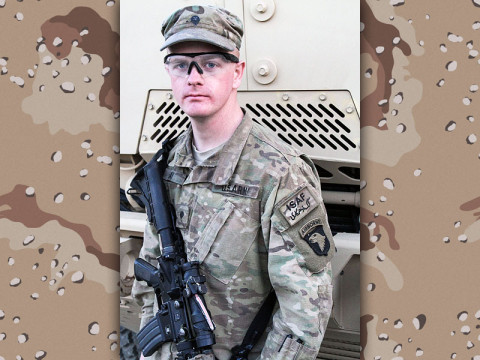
(286, 347)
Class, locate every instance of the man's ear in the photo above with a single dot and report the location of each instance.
(238, 74)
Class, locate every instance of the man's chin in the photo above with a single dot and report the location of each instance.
(197, 112)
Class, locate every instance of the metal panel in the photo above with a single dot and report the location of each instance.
(322, 124)
(313, 44)
(346, 283)
(346, 296)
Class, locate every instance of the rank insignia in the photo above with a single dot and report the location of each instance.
(195, 19)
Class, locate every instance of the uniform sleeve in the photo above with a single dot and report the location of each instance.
(300, 246)
(141, 292)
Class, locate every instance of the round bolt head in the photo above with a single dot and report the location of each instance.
(169, 95)
(323, 97)
(261, 7)
(144, 138)
(349, 109)
(262, 10)
(263, 71)
(150, 107)
(285, 97)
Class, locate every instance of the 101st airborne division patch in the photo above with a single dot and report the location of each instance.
(312, 232)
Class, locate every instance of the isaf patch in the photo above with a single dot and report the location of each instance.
(313, 233)
(298, 206)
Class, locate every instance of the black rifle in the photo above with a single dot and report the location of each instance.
(179, 287)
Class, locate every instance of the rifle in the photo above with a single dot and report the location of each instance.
(179, 287)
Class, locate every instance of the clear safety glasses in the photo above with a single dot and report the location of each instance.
(206, 63)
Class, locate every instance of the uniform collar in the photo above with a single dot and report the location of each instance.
(225, 161)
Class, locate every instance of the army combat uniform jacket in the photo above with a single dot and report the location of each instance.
(253, 216)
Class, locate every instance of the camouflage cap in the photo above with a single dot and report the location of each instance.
(209, 24)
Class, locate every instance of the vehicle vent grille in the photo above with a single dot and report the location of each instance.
(333, 349)
(343, 218)
(340, 346)
(302, 127)
(171, 121)
(297, 126)
(323, 125)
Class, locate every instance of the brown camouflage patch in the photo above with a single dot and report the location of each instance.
(420, 169)
(59, 190)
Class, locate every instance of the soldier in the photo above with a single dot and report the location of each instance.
(249, 207)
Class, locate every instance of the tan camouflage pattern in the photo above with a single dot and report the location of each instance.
(423, 302)
(59, 80)
(420, 168)
(210, 24)
(231, 212)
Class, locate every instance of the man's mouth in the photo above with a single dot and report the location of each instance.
(195, 96)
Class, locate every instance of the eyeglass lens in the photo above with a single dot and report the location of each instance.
(207, 64)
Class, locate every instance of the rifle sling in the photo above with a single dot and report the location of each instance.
(256, 328)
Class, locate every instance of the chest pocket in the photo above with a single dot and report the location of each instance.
(225, 241)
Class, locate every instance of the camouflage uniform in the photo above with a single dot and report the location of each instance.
(253, 215)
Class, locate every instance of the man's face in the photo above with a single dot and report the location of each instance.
(202, 96)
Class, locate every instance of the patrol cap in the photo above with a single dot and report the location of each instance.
(209, 24)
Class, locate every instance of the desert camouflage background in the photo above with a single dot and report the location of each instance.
(59, 107)
(420, 169)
